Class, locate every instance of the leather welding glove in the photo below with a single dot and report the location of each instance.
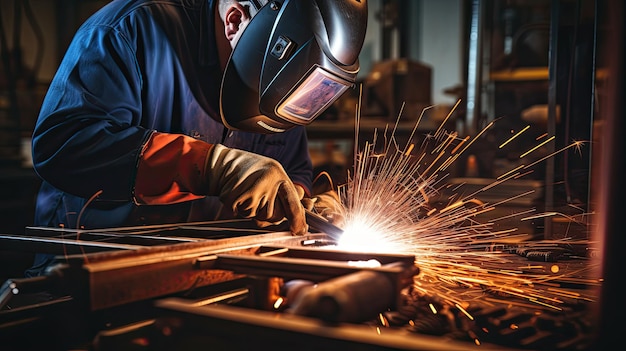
(254, 186)
(326, 201)
(301, 195)
(175, 168)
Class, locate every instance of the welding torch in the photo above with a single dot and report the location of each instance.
(319, 223)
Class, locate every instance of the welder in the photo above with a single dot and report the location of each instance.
(173, 111)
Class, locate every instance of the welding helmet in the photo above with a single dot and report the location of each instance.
(292, 61)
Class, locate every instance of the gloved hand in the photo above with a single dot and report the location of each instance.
(254, 186)
(326, 201)
(329, 206)
(175, 168)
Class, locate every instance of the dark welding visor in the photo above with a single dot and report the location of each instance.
(293, 60)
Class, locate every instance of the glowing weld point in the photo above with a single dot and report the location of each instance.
(365, 264)
(361, 237)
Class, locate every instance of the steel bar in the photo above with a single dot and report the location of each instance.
(59, 246)
(311, 269)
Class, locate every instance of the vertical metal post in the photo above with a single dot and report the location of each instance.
(403, 28)
(388, 28)
(610, 185)
(474, 59)
(551, 128)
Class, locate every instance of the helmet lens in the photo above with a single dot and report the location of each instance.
(320, 89)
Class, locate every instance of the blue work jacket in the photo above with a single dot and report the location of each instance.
(135, 67)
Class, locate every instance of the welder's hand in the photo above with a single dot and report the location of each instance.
(326, 201)
(254, 186)
(329, 206)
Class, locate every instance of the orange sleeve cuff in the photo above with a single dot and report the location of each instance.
(302, 190)
(171, 169)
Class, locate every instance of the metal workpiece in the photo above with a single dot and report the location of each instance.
(117, 266)
(339, 290)
(143, 267)
(355, 297)
(116, 278)
(292, 265)
(181, 286)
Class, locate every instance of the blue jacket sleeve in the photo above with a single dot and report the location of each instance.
(88, 136)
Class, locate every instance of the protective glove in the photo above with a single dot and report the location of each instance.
(254, 186)
(326, 201)
(175, 168)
